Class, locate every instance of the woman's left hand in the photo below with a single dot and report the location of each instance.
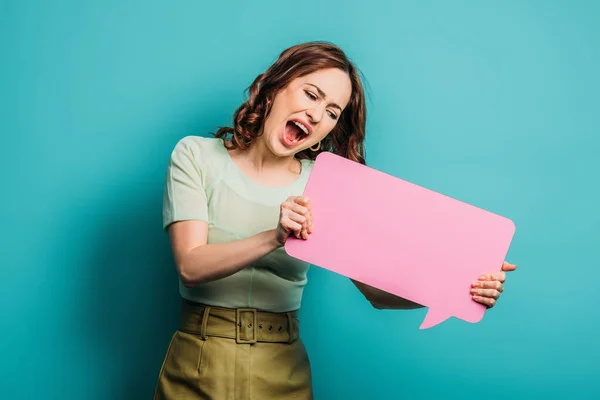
(488, 288)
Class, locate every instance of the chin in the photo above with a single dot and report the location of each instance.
(279, 148)
(276, 147)
(282, 150)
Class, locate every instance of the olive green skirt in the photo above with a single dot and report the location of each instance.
(237, 354)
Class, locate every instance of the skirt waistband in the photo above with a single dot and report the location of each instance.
(245, 325)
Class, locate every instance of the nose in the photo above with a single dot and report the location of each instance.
(315, 114)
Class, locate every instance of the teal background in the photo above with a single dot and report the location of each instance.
(494, 103)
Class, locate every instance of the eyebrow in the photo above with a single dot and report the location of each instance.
(322, 93)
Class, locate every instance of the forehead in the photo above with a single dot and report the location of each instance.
(334, 82)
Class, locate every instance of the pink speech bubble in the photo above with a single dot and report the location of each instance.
(401, 238)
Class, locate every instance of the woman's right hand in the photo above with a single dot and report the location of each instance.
(295, 217)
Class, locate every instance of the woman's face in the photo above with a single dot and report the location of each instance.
(305, 111)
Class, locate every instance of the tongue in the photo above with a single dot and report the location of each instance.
(292, 132)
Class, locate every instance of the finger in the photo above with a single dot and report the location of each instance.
(295, 207)
(498, 276)
(304, 231)
(493, 276)
(303, 211)
(506, 266)
(489, 285)
(292, 226)
(485, 301)
(301, 219)
(492, 293)
(302, 200)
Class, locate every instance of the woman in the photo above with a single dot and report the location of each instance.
(230, 203)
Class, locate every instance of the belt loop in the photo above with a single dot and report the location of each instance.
(239, 327)
(204, 322)
(290, 327)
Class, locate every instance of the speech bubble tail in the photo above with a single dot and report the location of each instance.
(433, 317)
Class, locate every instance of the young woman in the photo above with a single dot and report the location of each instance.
(230, 203)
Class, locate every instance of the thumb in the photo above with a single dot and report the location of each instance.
(302, 200)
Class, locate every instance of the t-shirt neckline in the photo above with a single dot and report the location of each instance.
(256, 184)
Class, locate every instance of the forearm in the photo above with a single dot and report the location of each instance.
(384, 300)
(210, 262)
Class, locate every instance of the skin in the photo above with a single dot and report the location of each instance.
(317, 100)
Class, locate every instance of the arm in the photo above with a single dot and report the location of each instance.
(384, 300)
(485, 291)
(198, 262)
(185, 212)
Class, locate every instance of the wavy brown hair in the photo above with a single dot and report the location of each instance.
(346, 139)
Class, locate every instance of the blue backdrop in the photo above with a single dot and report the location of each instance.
(493, 103)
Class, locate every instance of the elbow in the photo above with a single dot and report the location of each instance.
(188, 283)
(187, 277)
(380, 302)
(188, 272)
(372, 295)
(191, 279)
(379, 306)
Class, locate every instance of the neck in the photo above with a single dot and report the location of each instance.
(261, 158)
(259, 162)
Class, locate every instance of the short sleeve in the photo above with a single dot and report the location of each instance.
(184, 194)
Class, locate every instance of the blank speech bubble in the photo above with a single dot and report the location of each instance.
(401, 237)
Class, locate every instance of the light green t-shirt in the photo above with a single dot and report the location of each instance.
(204, 183)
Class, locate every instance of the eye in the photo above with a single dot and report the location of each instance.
(332, 115)
(310, 95)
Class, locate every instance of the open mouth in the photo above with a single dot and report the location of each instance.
(294, 133)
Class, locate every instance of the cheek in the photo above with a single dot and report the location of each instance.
(280, 110)
(273, 120)
(330, 123)
(326, 129)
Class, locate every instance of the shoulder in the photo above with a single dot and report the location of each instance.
(199, 156)
(200, 150)
(199, 146)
